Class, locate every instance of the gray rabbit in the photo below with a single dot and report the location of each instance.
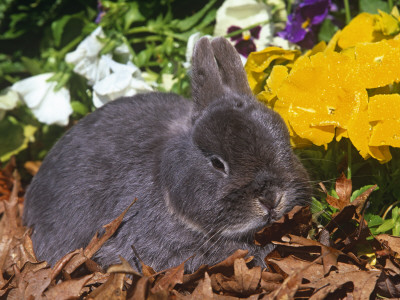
(207, 173)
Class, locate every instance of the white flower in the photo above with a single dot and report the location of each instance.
(110, 79)
(8, 101)
(86, 58)
(48, 106)
(125, 80)
(245, 13)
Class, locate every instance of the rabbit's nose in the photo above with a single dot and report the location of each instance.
(266, 204)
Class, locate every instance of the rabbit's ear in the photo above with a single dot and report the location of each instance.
(230, 65)
(206, 79)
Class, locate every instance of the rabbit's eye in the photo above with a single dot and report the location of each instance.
(239, 104)
(218, 164)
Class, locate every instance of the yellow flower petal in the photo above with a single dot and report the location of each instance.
(258, 63)
(360, 29)
(384, 107)
(381, 153)
(388, 24)
(320, 92)
(384, 115)
(333, 42)
(321, 46)
(358, 128)
(276, 78)
(386, 133)
(378, 63)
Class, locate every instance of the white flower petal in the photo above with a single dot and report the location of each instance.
(242, 13)
(48, 106)
(55, 107)
(8, 99)
(117, 85)
(86, 60)
(118, 67)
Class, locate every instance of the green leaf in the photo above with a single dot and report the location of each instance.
(186, 24)
(133, 15)
(374, 220)
(32, 65)
(360, 191)
(14, 137)
(395, 213)
(327, 30)
(57, 28)
(386, 226)
(372, 6)
(396, 229)
(79, 108)
(316, 206)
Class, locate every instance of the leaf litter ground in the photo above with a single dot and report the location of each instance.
(339, 261)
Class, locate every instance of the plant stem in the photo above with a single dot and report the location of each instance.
(348, 159)
(347, 9)
(289, 7)
(389, 208)
(390, 3)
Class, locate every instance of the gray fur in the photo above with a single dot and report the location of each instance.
(160, 148)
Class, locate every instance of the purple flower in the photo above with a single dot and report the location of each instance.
(302, 23)
(244, 41)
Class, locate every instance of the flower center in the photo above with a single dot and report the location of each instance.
(306, 23)
(246, 35)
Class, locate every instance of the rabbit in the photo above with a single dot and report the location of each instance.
(207, 173)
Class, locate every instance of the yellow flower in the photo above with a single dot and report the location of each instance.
(324, 94)
(258, 63)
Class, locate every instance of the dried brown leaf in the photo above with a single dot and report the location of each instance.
(96, 243)
(297, 222)
(393, 242)
(289, 287)
(112, 289)
(360, 201)
(343, 190)
(124, 267)
(244, 283)
(226, 266)
(362, 284)
(172, 277)
(202, 291)
(141, 289)
(70, 289)
(35, 283)
(388, 285)
(62, 262)
(247, 279)
(32, 167)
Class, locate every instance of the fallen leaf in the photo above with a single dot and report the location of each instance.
(112, 289)
(245, 281)
(141, 289)
(343, 190)
(96, 243)
(202, 291)
(69, 289)
(362, 283)
(393, 242)
(388, 286)
(32, 167)
(124, 267)
(226, 266)
(297, 222)
(172, 277)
